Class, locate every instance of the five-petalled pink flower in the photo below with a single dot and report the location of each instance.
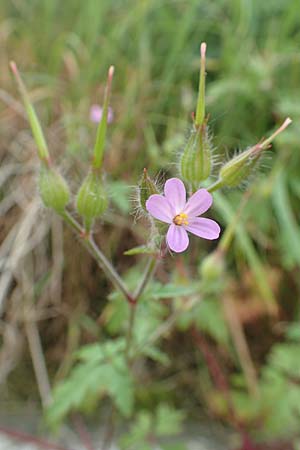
(182, 215)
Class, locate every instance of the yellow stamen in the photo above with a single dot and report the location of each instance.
(181, 219)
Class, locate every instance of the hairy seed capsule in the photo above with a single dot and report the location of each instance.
(196, 159)
(239, 168)
(91, 198)
(53, 189)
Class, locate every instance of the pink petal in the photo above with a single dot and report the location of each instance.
(204, 228)
(159, 207)
(177, 238)
(198, 203)
(96, 112)
(176, 194)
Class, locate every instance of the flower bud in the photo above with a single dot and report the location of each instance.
(196, 159)
(53, 189)
(146, 188)
(91, 198)
(241, 166)
(212, 266)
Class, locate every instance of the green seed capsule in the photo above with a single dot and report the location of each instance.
(239, 168)
(53, 189)
(212, 266)
(196, 159)
(147, 187)
(91, 198)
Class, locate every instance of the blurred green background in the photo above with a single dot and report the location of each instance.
(63, 51)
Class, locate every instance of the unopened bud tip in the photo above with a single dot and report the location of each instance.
(13, 67)
(287, 121)
(111, 71)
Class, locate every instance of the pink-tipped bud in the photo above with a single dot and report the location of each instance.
(203, 50)
(111, 72)
(200, 112)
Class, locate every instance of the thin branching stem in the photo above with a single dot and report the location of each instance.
(103, 262)
(149, 271)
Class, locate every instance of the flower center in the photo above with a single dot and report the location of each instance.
(181, 219)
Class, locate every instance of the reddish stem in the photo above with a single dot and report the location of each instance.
(28, 438)
(82, 432)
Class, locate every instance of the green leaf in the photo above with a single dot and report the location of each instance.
(286, 359)
(115, 315)
(173, 290)
(140, 250)
(102, 370)
(173, 446)
(135, 439)
(70, 394)
(168, 420)
(293, 332)
(157, 355)
(209, 318)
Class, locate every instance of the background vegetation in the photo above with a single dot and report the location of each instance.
(51, 291)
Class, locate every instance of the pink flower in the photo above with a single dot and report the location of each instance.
(96, 114)
(183, 215)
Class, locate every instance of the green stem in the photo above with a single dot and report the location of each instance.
(216, 185)
(129, 335)
(149, 271)
(114, 277)
(103, 262)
